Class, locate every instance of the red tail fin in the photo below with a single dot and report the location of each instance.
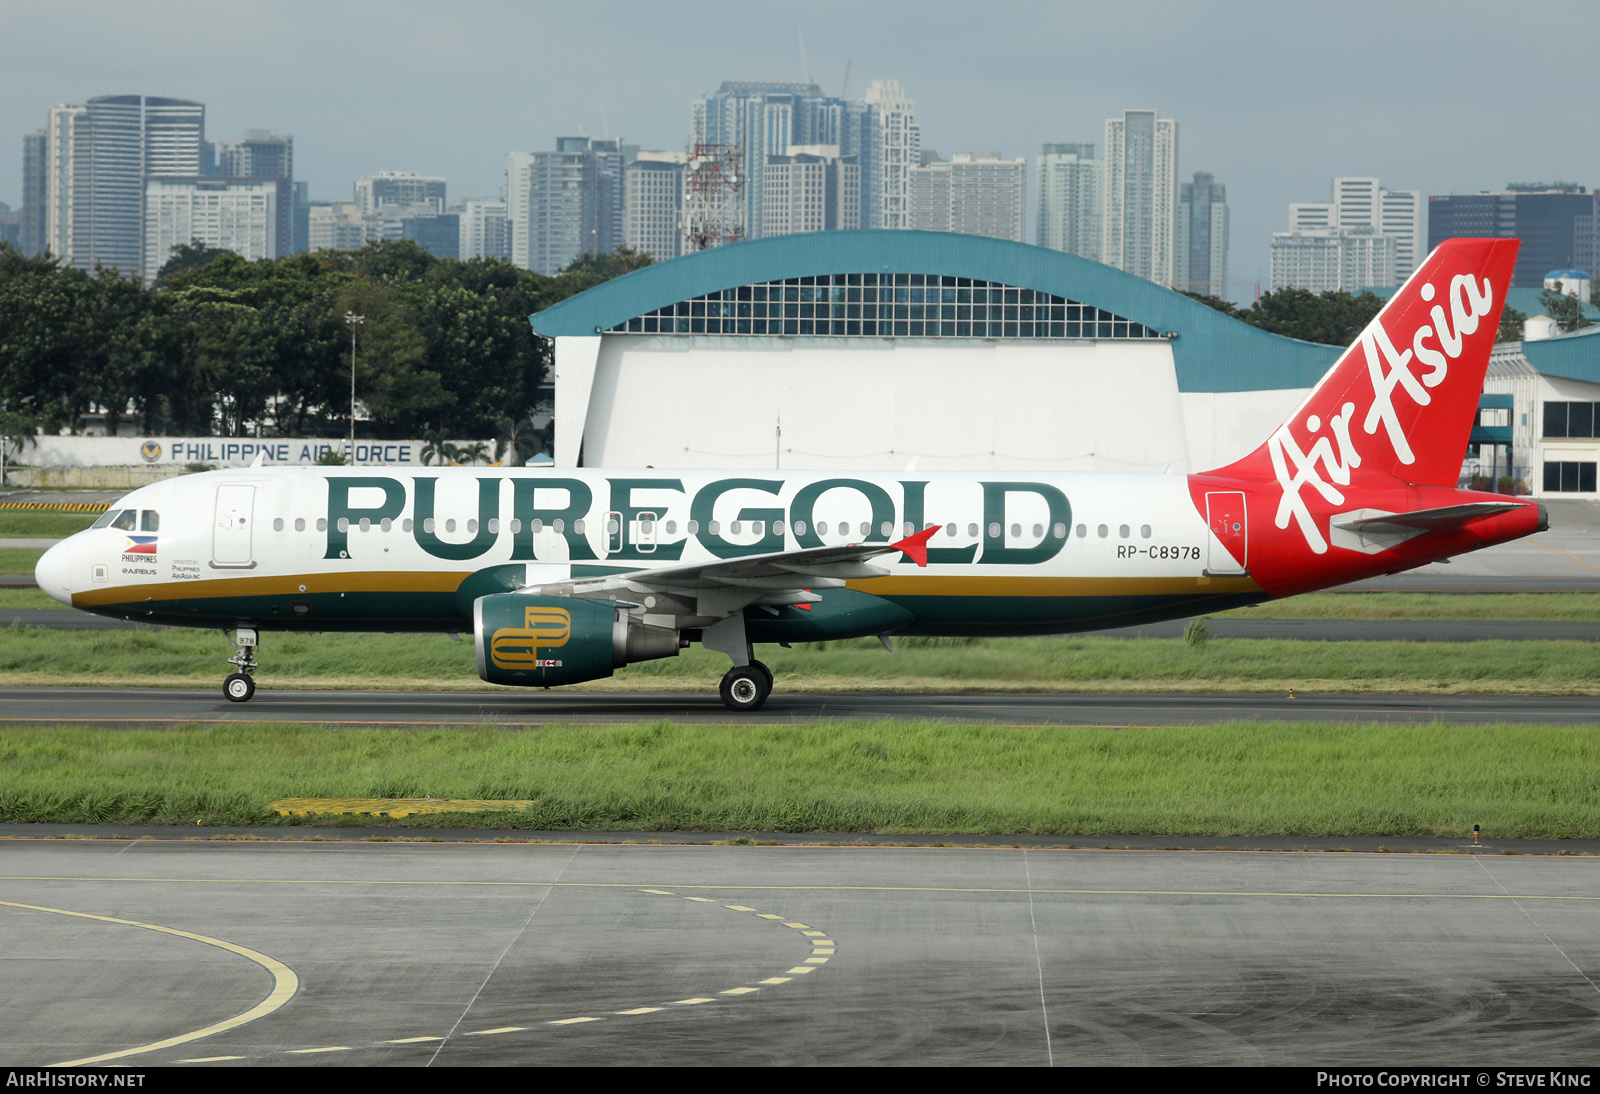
(1400, 402)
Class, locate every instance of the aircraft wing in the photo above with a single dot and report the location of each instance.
(722, 587)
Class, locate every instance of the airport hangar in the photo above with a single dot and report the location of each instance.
(890, 350)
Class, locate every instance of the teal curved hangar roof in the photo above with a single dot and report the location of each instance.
(1212, 352)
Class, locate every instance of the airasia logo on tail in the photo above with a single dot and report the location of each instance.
(1325, 462)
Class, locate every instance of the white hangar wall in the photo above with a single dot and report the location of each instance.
(878, 404)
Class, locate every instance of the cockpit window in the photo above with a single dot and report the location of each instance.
(127, 520)
(150, 521)
(106, 518)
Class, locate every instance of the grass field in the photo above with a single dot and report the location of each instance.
(42, 523)
(886, 777)
(147, 657)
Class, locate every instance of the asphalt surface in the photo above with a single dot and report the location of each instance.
(118, 707)
(138, 954)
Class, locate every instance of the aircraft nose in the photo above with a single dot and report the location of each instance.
(53, 574)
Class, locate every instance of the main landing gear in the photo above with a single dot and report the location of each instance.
(745, 687)
(239, 687)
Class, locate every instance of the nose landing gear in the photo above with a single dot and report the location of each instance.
(239, 687)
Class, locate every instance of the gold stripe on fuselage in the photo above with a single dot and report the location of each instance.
(437, 581)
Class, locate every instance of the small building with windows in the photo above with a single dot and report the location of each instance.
(883, 350)
(1551, 389)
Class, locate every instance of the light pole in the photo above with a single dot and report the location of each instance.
(355, 321)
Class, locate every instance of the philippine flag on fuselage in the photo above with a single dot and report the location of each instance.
(140, 545)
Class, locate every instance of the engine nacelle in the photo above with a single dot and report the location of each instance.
(546, 641)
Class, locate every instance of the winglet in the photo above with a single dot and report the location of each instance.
(916, 547)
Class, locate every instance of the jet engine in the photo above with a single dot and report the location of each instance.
(546, 641)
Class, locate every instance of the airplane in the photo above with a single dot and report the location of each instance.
(565, 575)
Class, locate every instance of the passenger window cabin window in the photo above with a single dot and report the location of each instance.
(1059, 531)
(1083, 530)
(994, 531)
(577, 527)
(322, 524)
(277, 524)
(450, 524)
(406, 525)
(536, 526)
(299, 524)
(1102, 531)
(1123, 531)
(344, 524)
(1144, 531)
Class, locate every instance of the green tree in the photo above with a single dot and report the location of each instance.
(1511, 321)
(1565, 309)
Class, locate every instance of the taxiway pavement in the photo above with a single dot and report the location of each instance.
(119, 707)
(145, 953)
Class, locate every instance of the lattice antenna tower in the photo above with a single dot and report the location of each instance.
(713, 199)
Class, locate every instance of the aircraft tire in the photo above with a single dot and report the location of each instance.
(238, 688)
(765, 671)
(745, 688)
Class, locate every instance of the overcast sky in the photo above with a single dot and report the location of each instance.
(1272, 98)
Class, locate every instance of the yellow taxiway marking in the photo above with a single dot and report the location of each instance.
(284, 983)
(287, 983)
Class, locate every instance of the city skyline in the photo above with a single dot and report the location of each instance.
(1269, 123)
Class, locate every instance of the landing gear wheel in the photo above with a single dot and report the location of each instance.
(238, 688)
(746, 687)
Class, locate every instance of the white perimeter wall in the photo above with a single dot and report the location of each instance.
(877, 404)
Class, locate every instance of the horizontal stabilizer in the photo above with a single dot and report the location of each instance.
(1425, 520)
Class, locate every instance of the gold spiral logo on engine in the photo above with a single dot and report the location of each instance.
(518, 647)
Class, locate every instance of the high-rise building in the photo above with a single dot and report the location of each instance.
(766, 119)
(1200, 243)
(1359, 210)
(335, 226)
(1331, 259)
(567, 203)
(1141, 191)
(975, 195)
(10, 226)
(1544, 216)
(249, 217)
(811, 189)
(259, 155)
(896, 147)
(35, 192)
(437, 233)
(399, 188)
(485, 231)
(652, 204)
(1070, 180)
(96, 159)
(265, 155)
